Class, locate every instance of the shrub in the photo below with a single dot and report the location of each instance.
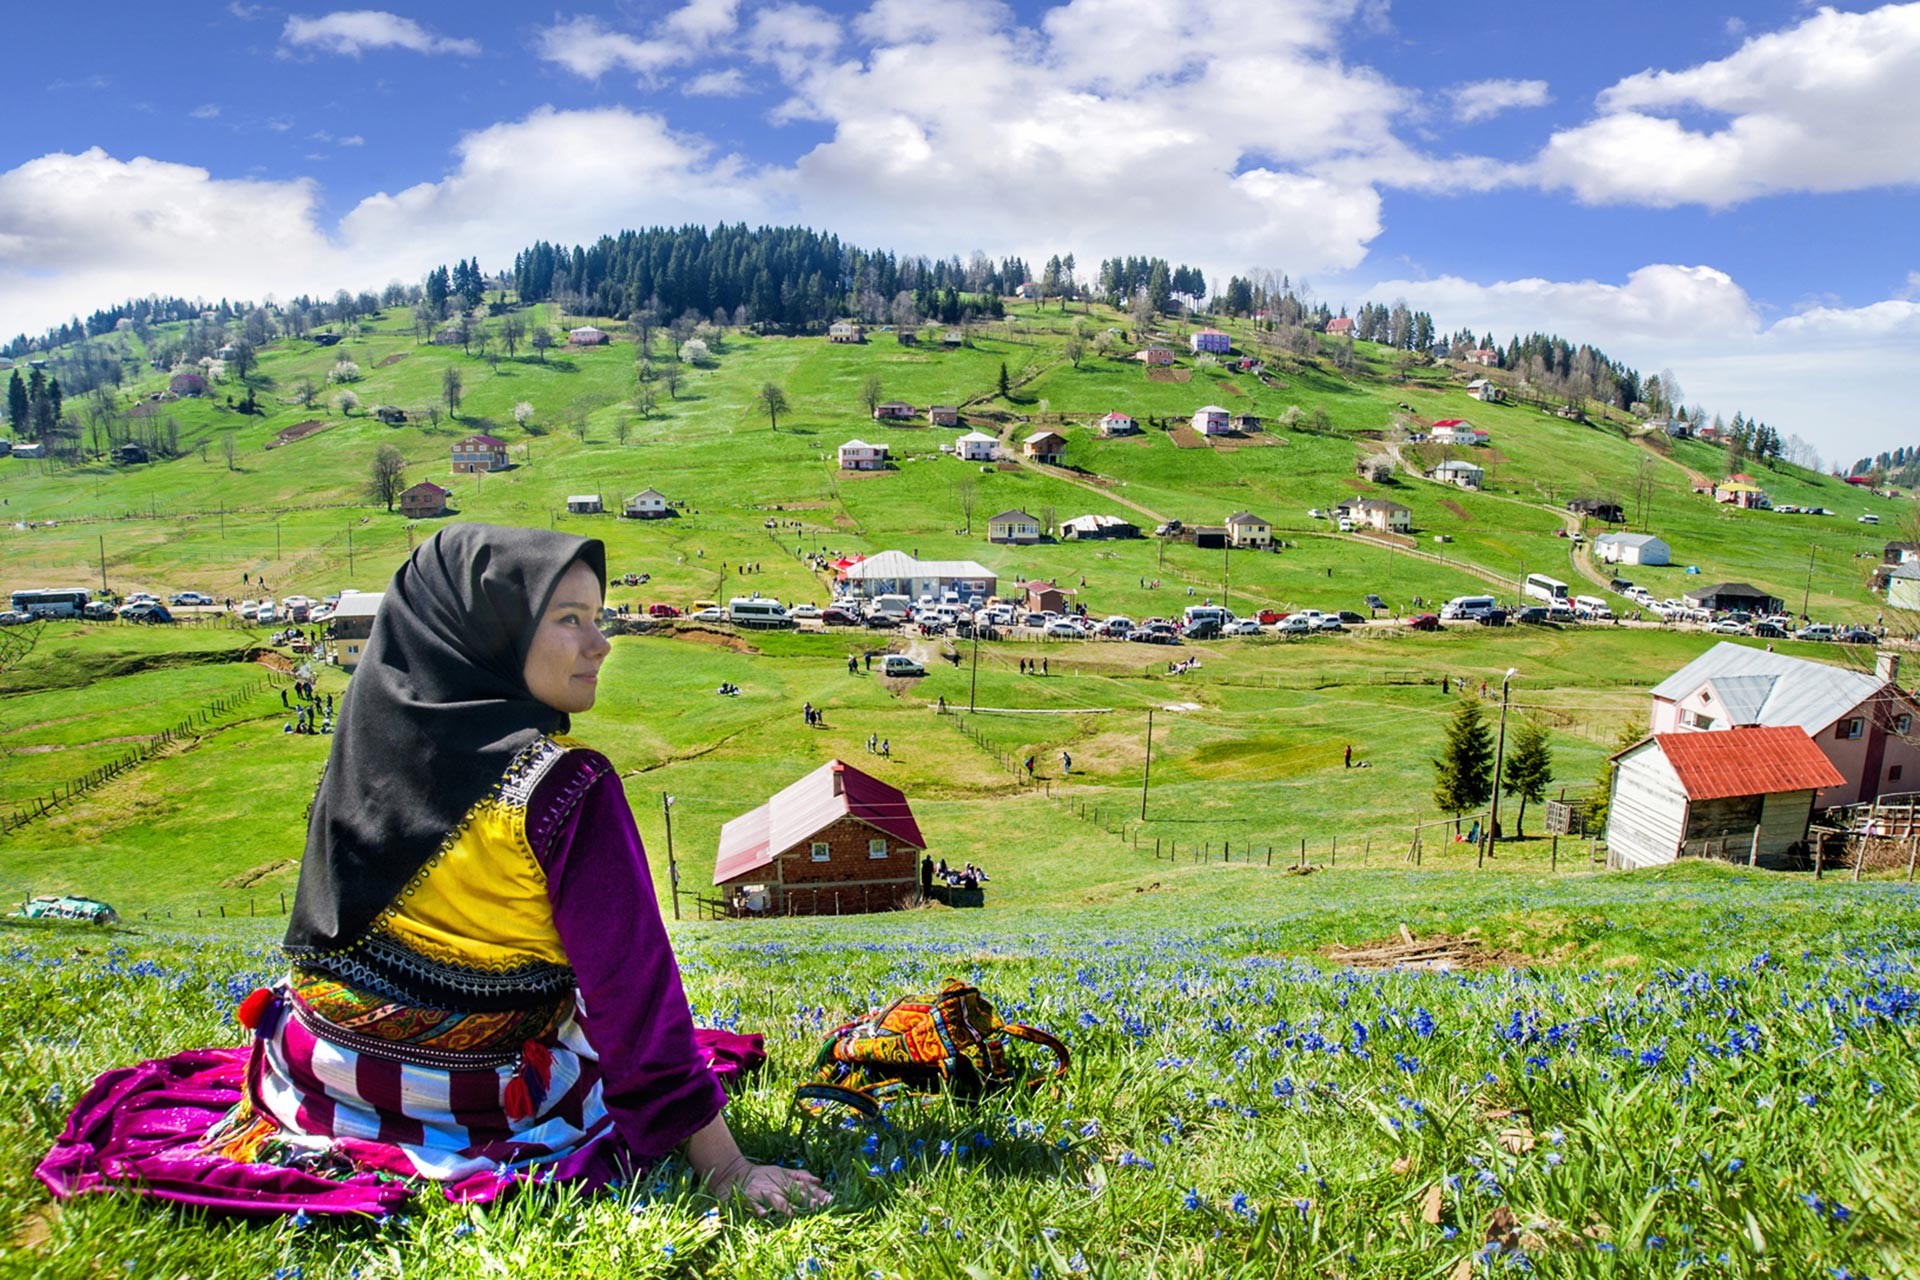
(344, 371)
(346, 402)
(523, 413)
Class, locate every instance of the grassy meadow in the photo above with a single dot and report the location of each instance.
(1694, 1071)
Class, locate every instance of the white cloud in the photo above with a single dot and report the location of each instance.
(1838, 376)
(245, 12)
(729, 83)
(1832, 104)
(584, 46)
(1486, 99)
(353, 140)
(206, 111)
(354, 31)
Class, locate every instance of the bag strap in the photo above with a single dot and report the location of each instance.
(853, 1098)
(1034, 1035)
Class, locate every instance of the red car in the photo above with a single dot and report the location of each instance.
(1426, 622)
(662, 611)
(1270, 616)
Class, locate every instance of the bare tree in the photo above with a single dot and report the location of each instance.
(675, 375)
(305, 392)
(346, 402)
(577, 423)
(871, 393)
(646, 401)
(622, 428)
(773, 401)
(387, 476)
(229, 449)
(243, 359)
(966, 492)
(450, 388)
(541, 339)
(512, 330)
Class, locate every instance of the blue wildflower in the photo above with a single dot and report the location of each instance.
(1193, 1200)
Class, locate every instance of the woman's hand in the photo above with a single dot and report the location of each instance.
(769, 1188)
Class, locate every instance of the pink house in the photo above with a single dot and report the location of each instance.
(1861, 721)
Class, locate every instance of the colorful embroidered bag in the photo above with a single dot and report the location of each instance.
(950, 1041)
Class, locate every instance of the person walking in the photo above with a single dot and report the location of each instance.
(1029, 763)
(1043, 666)
(1066, 764)
(853, 665)
(873, 743)
(886, 749)
(1349, 755)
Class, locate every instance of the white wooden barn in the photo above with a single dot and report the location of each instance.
(1689, 794)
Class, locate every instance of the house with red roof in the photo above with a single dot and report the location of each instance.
(837, 842)
(479, 452)
(1745, 794)
(1340, 326)
(1454, 431)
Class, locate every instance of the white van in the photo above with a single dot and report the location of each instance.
(1469, 608)
(896, 607)
(1206, 613)
(1592, 607)
(757, 612)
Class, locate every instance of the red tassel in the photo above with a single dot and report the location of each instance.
(253, 1006)
(518, 1104)
(538, 1057)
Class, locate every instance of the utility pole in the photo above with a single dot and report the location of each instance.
(1147, 774)
(103, 562)
(673, 868)
(1226, 565)
(349, 551)
(1807, 595)
(276, 539)
(1499, 755)
(223, 519)
(973, 681)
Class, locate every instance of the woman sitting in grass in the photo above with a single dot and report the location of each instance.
(481, 988)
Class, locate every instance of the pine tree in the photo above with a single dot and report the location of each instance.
(17, 404)
(1463, 775)
(1528, 770)
(1006, 389)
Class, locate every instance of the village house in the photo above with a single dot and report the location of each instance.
(1093, 527)
(1212, 420)
(27, 449)
(977, 446)
(1486, 392)
(1724, 596)
(424, 501)
(836, 842)
(130, 453)
(1454, 431)
(1044, 597)
(187, 384)
(1212, 341)
(1248, 531)
(584, 504)
(953, 338)
(587, 336)
(1861, 721)
(893, 411)
(845, 331)
(1246, 423)
(858, 455)
(1749, 791)
(648, 504)
(1485, 356)
(1603, 509)
(1157, 356)
(1903, 587)
(1467, 475)
(1632, 548)
(391, 415)
(1340, 327)
(351, 624)
(447, 336)
(1013, 526)
(943, 415)
(1045, 446)
(888, 573)
(1118, 424)
(479, 452)
(1378, 514)
(1027, 289)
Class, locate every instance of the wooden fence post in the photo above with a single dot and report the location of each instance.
(1913, 846)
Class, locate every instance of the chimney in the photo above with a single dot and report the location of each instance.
(1886, 666)
(839, 783)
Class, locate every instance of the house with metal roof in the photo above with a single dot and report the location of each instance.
(1467, 475)
(1013, 526)
(1862, 721)
(836, 842)
(1083, 528)
(1734, 595)
(1632, 548)
(895, 573)
(1903, 586)
(977, 446)
(1745, 795)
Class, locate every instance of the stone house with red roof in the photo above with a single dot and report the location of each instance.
(836, 842)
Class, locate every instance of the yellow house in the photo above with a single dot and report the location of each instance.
(1245, 529)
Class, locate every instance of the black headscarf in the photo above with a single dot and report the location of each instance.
(437, 709)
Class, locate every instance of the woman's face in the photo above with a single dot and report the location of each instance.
(563, 665)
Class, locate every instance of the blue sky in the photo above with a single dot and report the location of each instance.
(1725, 192)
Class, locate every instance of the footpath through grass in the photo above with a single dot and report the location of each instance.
(1699, 1071)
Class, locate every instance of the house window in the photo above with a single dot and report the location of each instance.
(1893, 773)
(1903, 724)
(822, 851)
(1849, 728)
(876, 848)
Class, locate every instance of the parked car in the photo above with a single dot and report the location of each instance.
(1349, 617)
(1534, 615)
(1294, 624)
(835, 616)
(1375, 602)
(268, 612)
(152, 613)
(662, 611)
(98, 611)
(1769, 631)
(191, 597)
(1315, 513)
(1242, 627)
(881, 621)
(899, 664)
(1064, 629)
(1555, 613)
(15, 618)
(804, 611)
(1814, 631)
(1728, 627)
(1498, 617)
(1329, 622)
(712, 613)
(1202, 629)
(1857, 635)
(1426, 622)
(1152, 635)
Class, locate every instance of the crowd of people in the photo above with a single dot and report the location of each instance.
(967, 877)
(312, 712)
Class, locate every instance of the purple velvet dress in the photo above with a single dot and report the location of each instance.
(317, 1116)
